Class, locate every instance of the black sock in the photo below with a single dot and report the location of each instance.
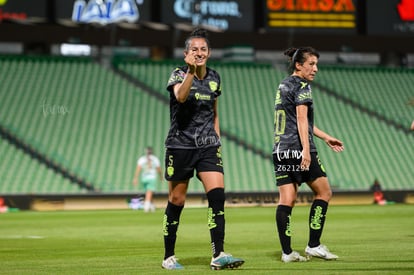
(316, 221)
(283, 213)
(216, 222)
(170, 226)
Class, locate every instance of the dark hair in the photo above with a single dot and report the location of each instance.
(197, 33)
(299, 55)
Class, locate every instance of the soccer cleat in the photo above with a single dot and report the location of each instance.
(293, 257)
(171, 263)
(320, 251)
(225, 260)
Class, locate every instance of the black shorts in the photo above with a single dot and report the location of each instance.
(290, 171)
(181, 163)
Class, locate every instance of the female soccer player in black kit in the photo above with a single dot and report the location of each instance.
(193, 143)
(295, 157)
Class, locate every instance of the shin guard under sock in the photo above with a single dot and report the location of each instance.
(316, 221)
(170, 225)
(216, 222)
(283, 214)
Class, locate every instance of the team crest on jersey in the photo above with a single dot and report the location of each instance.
(213, 86)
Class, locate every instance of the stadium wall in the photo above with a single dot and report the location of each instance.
(122, 201)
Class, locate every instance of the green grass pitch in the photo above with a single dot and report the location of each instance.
(369, 239)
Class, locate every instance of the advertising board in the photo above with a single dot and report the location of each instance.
(103, 11)
(338, 16)
(22, 9)
(222, 14)
(390, 17)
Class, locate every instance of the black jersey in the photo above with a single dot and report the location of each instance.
(292, 91)
(192, 122)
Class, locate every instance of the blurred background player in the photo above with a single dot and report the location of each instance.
(148, 172)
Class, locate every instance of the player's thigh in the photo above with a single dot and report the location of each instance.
(288, 194)
(210, 168)
(211, 180)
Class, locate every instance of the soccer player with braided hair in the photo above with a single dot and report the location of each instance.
(193, 144)
(295, 156)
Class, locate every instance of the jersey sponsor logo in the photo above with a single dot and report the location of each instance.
(199, 96)
(304, 96)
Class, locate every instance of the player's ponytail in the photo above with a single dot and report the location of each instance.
(298, 55)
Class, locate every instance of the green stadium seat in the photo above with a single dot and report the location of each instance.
(110, 120)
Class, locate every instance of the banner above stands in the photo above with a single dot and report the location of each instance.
(106, 12)
(103, 12)
(224, 15)
(390, 17)
(335, 16)
(23, 10)
(365, 17)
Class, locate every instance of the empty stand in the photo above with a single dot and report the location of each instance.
(96, 122)
(383, 91)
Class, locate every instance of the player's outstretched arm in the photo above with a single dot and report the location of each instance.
(334, 143)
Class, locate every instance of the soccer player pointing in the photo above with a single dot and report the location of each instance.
(193, 144)
(295, 157)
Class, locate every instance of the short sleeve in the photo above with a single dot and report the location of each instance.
(156, 162)
(141, 161)
(177, 76)
(303, 94)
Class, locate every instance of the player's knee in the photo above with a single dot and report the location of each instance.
(216, 194)
(290, 201)
(177, 199)
(325, 195)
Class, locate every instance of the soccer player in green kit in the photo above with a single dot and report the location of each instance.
(295, 156)
(193, 144)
